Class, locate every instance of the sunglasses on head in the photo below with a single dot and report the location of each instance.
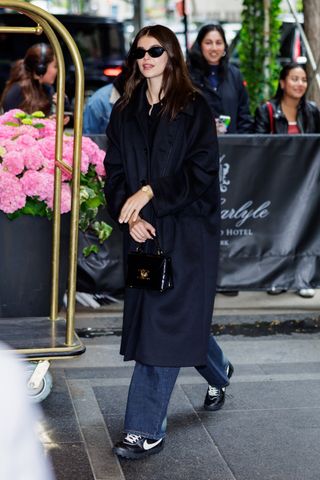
(154, 52)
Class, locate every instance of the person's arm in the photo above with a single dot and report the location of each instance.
(316, 115)
(262, 120)
(199, 170)
(97, 112)
(115, 184)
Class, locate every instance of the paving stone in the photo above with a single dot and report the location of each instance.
(70, 462)
(60, 419)
(268, 444)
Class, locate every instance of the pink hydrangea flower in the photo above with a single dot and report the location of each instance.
(26, 141)
(49, 129)
(34, 159)
(65, 198)
(12, 197)
(10, 116)
(13, 162)
(27, 162)
(96, 155)
(38, 184)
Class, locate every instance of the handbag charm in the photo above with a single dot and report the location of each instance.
(152, 271)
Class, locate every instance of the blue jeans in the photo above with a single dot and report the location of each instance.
(151, 387)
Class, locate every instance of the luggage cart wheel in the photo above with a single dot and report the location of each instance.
(39, 380)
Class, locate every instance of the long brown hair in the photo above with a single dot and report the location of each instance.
(23, 72)
(176, 85)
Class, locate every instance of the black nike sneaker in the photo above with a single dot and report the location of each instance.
(216, 396)
(135, 446)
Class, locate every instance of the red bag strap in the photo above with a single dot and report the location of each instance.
(270, 110)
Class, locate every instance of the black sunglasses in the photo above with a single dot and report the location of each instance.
(154, 52)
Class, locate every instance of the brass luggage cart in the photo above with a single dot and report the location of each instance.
(40, 340)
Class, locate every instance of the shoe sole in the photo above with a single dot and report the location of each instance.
(213, 408)
(122, 452)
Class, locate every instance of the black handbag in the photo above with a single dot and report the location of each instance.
(151, 271)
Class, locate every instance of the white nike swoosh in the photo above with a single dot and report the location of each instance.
(148, 446)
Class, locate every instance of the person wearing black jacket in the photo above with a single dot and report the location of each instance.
(220, 82)
(289, 113)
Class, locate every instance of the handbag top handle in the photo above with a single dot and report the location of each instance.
(140, 247)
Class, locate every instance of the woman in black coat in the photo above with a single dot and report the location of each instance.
(289, 112)
(220, 82)
(162, 179)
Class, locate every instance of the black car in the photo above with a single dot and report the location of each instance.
(100, 40)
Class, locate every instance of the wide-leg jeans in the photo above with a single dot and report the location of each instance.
(151, 387)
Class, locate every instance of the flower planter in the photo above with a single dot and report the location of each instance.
(25, 258)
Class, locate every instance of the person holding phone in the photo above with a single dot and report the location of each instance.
(220, 82)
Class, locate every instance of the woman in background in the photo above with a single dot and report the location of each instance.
(30, 86)
(220, 82)
(289, 112)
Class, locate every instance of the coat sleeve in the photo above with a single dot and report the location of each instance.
(198, 171)
(115, 187)
(244, 118)
(261, 120)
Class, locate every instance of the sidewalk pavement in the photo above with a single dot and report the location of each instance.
(269, 428)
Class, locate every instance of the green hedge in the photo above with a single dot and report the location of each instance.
(258, 61)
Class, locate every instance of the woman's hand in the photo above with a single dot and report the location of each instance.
(66, 119)
(141, 230)
(221, 128)
(133, 206)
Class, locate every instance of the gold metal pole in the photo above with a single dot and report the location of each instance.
(56, 227)
(79, 99)
(35, 30)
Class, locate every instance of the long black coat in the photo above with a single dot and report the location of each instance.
(170, 328)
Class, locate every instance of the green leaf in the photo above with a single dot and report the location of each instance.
(14, 215)
(102, 230)
(93, 202)
(38, 125)
(90, 249)
(12, 124)
(35, 207)
(84, 223)
(26, 121)
(38, 114)
(20, 115)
